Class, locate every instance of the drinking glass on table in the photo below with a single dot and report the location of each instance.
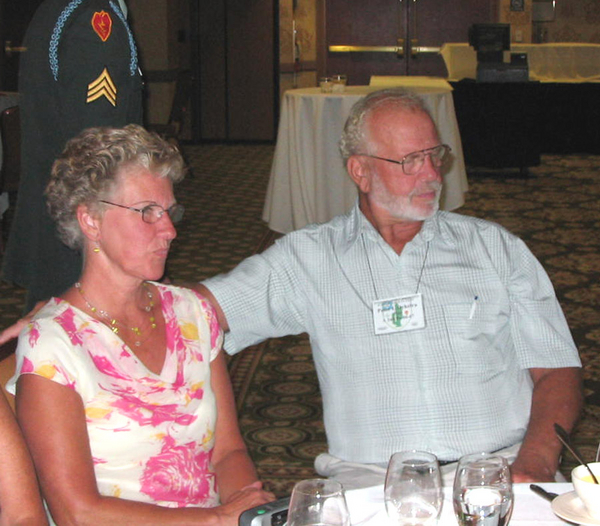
(413, 488)
(318, 502)
(483, 494)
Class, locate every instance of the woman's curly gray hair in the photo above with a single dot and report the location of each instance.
(86, 171)
(355, 135)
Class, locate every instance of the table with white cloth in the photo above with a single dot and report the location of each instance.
(7, 100)
(551, 62)
(367, 506)
(512, 123)
(309, 183)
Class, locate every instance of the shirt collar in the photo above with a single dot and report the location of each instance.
(358, 224)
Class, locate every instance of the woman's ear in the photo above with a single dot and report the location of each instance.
(89, 223)
(359, 172)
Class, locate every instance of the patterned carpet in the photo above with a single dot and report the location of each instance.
(555, 211)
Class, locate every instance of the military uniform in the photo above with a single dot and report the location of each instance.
(80, 70)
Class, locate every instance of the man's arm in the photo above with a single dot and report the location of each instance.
(557, 398)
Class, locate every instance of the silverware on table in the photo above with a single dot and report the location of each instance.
(548, 495)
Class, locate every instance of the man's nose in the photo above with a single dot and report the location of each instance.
(430, 170)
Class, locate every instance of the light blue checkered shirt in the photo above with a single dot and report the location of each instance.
(457, 386)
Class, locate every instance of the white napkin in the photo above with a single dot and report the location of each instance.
(367, 507)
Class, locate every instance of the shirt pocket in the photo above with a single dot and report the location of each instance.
(479, 337)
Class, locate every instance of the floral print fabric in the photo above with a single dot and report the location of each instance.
(151, 435)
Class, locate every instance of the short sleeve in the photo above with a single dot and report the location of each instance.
(260, 298)
(215, 330)
(44, 349)
(539, 328)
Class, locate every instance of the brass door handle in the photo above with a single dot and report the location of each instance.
(416, 50)
(9, 49)
(364, 49)
(399, 49)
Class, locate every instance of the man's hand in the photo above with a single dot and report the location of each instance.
(532, 468)
(13, 331)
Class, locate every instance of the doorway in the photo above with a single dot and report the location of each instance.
(397, 37)
(234, 59)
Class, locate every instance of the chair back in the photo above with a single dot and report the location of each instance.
(10, 127)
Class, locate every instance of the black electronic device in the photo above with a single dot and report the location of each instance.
(490, 41)
(270, 514)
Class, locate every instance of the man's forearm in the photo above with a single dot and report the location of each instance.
(557, 398)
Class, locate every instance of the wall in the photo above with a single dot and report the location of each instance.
(297, 53)
(518, 15)
(158, 26)
(575, 21)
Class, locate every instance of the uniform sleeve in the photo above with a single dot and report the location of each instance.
(98, 82)
(44, 349)
(539, 328)
(261, 298)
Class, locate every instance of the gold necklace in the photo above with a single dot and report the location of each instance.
(113, 323)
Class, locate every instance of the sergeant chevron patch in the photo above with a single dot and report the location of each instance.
(103, 86)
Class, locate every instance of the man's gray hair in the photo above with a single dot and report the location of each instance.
(354, 138)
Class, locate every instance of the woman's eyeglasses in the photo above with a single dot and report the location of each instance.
(152, 213)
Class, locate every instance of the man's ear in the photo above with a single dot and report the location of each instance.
(359, 172)
(89, 223)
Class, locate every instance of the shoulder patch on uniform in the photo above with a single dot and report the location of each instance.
(103, 86)
(60, 25)
(102, 24)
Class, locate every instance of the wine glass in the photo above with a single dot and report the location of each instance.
(483, 493)
(413, 488)
(318, 502)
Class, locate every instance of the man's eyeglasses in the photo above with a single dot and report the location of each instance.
(413, 162)
(152, 213)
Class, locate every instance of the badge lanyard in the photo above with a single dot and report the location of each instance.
(399, 314)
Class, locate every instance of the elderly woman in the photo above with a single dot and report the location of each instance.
(123, 394)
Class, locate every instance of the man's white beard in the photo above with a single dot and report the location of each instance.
(401, 207)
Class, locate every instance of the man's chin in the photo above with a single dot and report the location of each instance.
(422, 212)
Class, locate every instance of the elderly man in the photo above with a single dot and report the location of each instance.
(429, 330)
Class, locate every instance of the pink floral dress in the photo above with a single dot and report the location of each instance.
(151, 435)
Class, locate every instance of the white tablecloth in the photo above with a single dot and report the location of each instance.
(7, 99)
(557, 62)
(309, 183)
(367, 507)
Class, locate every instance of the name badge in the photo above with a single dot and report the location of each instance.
(404, 313)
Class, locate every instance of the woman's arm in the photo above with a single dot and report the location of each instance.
(53, 420)
(233, 466)
(20, 501)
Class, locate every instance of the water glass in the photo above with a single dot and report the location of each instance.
(318, 502)
(483, 494)
(339, 83)
(326, 84)
(413, 488)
